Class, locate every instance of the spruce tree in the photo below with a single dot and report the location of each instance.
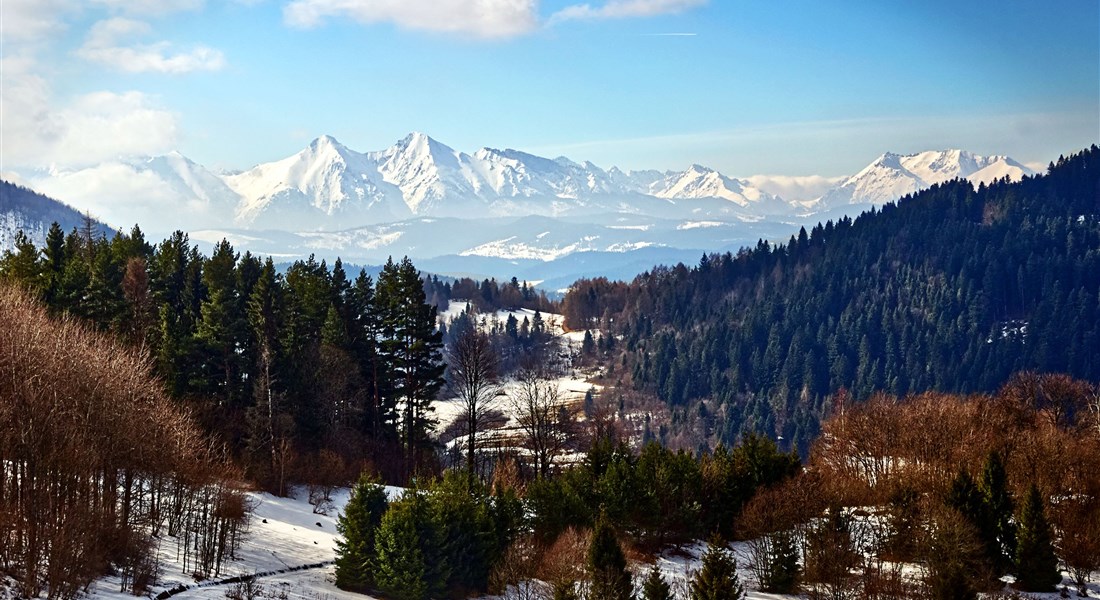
(607, 565)
(410, 563)
(717, 579)
(784, 570)
(1036, 564)
(997, 529)
(411, 343)
(355, 551)
(655, 587)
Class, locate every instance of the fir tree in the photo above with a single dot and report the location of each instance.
(409, 564)
(607, 565)
(355, 552)
(1036, 564)
(717, 579)
(655, 587)
(997, 529)
(412, 344)
(783, 570)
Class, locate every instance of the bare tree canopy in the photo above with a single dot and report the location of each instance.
(473, 376)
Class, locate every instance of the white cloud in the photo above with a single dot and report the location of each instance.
(102, 46)
(478, 18)
(32, 20)
(150, 7)
(794, 188)
(86, 130)
(105, 125)
(621, 9)
(121, 195)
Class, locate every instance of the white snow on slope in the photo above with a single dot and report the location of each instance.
(324, 184)
(892, 176)
(510, 248)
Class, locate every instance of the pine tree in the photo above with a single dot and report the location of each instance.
(1036, 564)
(997, 530)
(54, 264)
(401, 567)
(717, 579)
(409, 559)
(784, 570)
(607, 565)
(358, 525)
(411, 343)
(655, 587)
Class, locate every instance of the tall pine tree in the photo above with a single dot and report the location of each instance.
(412, 345)
(607, 565)
(1036, 564)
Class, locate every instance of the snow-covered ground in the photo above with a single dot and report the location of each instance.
(285, 533)
(572, 385)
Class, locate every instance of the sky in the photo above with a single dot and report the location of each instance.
(796, 87)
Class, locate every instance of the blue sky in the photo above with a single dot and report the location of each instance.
(793, 87)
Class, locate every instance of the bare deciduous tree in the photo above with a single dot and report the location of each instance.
(94, 458)
(473, 376)
(545, 418)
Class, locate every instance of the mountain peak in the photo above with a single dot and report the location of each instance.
(325, 140)
(326, 146)
(892, 176)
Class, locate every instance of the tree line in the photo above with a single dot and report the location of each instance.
(560, 535)
(930, 496)
(308, 371)
(950, 289)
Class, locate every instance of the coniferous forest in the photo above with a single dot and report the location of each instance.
(952, 289)
(916, 386)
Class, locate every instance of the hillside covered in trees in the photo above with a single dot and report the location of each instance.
(25, 210)
(952, 289)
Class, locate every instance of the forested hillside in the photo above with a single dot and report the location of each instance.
(299, 373)
(952, 289)
(24, 210)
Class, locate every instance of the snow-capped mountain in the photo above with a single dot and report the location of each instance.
(892, 176)
(419, 176)
(422, 198)
(325, 185)
(192, 182)
(702, 182)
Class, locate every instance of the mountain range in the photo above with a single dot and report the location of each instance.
(422, 198)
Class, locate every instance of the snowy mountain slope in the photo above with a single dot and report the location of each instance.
(432, 179)
(892, 176)
(536, 237)
(702, 182)
(325, 183)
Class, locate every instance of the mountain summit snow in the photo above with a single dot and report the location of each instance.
(892, 176)
(492, 212)
(329, 187)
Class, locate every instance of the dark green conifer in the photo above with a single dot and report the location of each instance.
(1036, 564)
(655, 587)
(355, 551)
(717, 579)
(607, 565)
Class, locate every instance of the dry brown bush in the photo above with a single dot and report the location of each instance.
(94, 457)
(564, 560)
